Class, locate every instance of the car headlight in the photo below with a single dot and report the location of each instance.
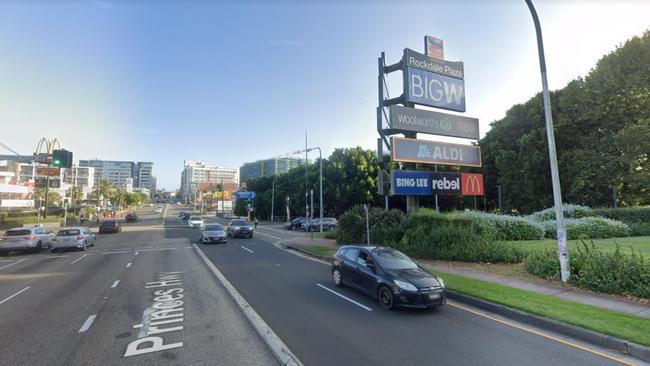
(236, 227)
(442, 283)
(405, 285)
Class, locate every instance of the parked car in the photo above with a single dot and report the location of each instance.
(73, 238)
(240, 228)
(212, 233)
(158, 210)
(329, 223)
(387, 275)
(131, 217)
(184, 215)
(195, 221)
(110, 226)
(296, 224)
(26, 239)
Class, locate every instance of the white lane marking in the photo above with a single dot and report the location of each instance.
(270, 236)
(246, 249)
(116, 252)
(128, 265)
(343, 297)
(137, 326)
(87, 323)
(136, 253)
(14, 263)
(277, 346)
(114, 285)
(80, 258)
(14, 295)
(57, 256)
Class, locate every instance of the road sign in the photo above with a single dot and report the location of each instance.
(433, 152)
(433, 47)
(40, 182)
(436, 123)
(435, 90)
(48, 171)
(410, 183)
(444, 183)
(244, 195)
(472, 184)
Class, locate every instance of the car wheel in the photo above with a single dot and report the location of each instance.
(386, 298)
(337, 278)
(250, 237)
(53, 250)
(39, 247)
(83, 248)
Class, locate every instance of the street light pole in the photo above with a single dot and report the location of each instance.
(555, 175)
(273, 196)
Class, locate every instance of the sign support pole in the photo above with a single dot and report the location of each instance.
(435, 169)
(555, 175)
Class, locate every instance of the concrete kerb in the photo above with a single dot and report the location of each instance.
(599, 339)
(277, 347)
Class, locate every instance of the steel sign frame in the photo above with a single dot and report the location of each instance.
(421, 155)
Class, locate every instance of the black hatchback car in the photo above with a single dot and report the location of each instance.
(296, 224)
(240, 228)
(110, 226)
(387, 275)
(131, 217)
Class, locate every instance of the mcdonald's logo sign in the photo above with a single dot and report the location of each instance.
(471, 184)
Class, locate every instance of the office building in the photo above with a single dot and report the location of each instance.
(196, 172)
(267, 168)
(123, 173)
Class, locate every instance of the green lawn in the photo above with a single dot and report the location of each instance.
(317, 249)
(638, 243)
(628, 327)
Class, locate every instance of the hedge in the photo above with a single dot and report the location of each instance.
(570, 212)
(432, 235)
(506, 227)
(386, 227)
(602, 271)
(588, 228)
(626, 214)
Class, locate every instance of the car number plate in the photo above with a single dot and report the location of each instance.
(434, 296)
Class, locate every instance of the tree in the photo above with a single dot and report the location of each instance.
(53, 197)
(75, 194)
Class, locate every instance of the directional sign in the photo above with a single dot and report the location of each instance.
(436, 123)
(49, 171)
(433, 152)
(245, 195)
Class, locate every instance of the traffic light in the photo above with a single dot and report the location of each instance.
(62, 158)
(249, 203)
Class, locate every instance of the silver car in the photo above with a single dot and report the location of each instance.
(73, 237)
(26, 238)
(213, 233)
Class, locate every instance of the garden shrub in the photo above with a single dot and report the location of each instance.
(588, 228)
(386, 227)
(570, 212)
(506, 227)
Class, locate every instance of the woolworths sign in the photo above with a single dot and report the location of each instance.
(436, 123)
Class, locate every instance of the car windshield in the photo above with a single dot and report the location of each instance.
(194, 218)
(68, 232)
(240, 223)
(392, 259)
(213, 228)
(17, 232)
(109, 223)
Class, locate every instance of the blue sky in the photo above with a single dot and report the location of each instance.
(231, 82)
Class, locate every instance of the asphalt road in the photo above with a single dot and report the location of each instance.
(95, 307)
(324, 325)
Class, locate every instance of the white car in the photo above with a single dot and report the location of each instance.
(73, 237)
(158, 210)
(195, 221)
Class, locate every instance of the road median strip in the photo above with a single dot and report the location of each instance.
(621, 332)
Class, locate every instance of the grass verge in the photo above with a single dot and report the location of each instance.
(624, 326)
(317, 249)
(638, 243)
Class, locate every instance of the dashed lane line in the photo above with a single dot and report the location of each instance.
(86, 325)
(115, 283)
(116, 252)
(246, 249)
(270, 236)
(343, 297)
(128, 265)
(14, 295)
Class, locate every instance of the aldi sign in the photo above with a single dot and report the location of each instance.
(434, 152)
(410, 183)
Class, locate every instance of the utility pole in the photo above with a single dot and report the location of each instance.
(273, 195)
(555, 175)
(306, 181)
(312, 214)
(288, 200)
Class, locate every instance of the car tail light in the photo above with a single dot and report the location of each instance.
(80, 237)
(30, 237)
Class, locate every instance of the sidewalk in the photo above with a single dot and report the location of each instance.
(611, 302)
